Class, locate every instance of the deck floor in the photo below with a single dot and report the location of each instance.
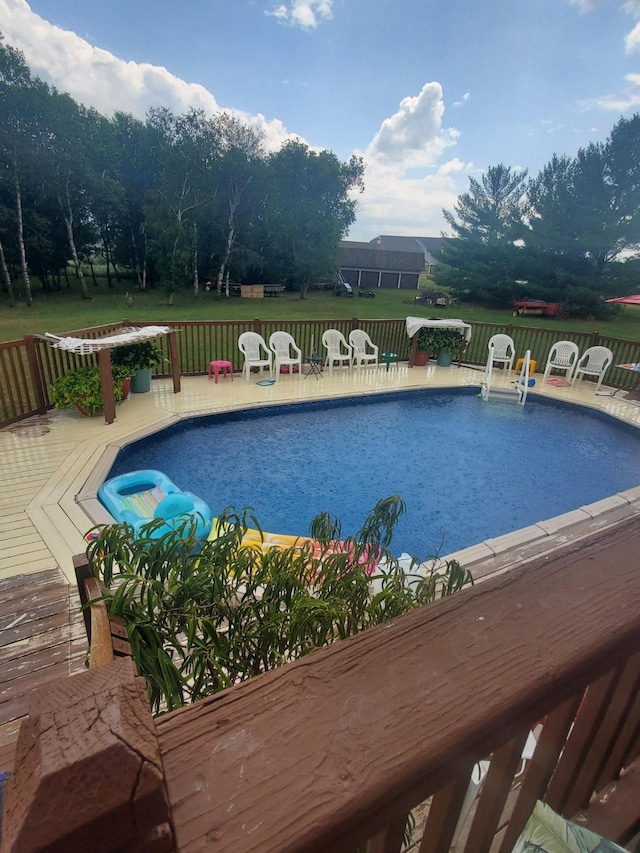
(47, 461)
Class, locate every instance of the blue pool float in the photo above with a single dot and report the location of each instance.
(142, 496)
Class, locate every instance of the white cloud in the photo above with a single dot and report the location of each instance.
(463, 100)
(99, 79)
(392, 204)
(632, 40)
(587, 5)
(306, 14)
(413, 136)
(396, 200)
(618, 103)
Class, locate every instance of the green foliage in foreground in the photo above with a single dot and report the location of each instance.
(200, 622)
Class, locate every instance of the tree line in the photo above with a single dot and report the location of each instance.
(177, 199)
(570, 235)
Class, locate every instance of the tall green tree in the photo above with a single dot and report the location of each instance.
(241, 157)
(187, 152)
(18, 134)
(491, 211)
(584, 212)
(307, 211)
(481, 263)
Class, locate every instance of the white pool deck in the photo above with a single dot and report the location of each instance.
(51, 465)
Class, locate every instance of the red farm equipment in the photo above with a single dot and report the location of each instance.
(526, 307)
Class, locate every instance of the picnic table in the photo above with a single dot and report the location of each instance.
(267, 289)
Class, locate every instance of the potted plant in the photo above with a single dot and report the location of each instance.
(124, 374)
(426, 346)
(448, 345)
(82, 389)
(139, 359)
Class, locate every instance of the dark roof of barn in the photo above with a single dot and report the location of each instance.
(429, 246)
(373, 257)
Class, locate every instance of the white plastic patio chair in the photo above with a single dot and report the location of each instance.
(283, 344)
(563, 355)
(256, 353)
(504, 351)
(593, 362)
(338, 350)
(364, 350)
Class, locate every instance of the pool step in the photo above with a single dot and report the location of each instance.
(502, 395)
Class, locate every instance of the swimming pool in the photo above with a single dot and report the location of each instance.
(468, 469)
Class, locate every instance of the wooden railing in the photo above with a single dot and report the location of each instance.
(29, 367)
(335, 750)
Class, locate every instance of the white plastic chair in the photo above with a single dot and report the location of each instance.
(563, 355)
(283, 344)
(504, 351)
(256, 353)
(337, 349)
(478, 775)
(364, 350)
(593, 362)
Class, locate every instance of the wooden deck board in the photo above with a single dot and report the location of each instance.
(42, 639)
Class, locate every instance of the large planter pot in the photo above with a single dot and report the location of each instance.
(126, 387)
(141, 382)
(444, 359)
(421, 358)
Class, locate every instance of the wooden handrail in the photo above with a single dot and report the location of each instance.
(335, 749)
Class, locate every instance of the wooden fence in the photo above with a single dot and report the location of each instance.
(29, 367)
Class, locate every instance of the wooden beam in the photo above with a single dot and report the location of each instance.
(89, 771)
(106, 380)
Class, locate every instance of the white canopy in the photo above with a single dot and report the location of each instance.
(84, 346)
(414, 324)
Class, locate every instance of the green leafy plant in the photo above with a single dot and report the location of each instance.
(449, 341)
(435, 340)
(141, 356)
(82, 389)
(428, 339)
(200, 621)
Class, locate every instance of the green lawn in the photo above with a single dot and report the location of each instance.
(63, 312)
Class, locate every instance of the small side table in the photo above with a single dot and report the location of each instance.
(387, 356)
(315, 365)
(221, 365)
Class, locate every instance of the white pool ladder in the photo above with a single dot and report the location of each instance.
(516, 392)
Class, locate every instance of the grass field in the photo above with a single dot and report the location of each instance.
(66, 311)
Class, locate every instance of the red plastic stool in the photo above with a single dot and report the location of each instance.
(216, 366)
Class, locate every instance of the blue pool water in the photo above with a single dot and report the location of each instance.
(467, 469)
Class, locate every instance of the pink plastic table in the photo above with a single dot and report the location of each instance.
(216, 366)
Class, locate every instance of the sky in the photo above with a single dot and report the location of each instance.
(428, 92)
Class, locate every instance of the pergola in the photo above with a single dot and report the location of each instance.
(103, 347)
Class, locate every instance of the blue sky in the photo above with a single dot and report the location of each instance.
(428, 92)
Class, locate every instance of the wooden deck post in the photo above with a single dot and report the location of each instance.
(106, 380)
(174, 356)
(414, 347)
(35, 373)
(89, 774)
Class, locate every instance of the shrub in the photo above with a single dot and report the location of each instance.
(82, 389)
(200, 622)
(140, 356)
